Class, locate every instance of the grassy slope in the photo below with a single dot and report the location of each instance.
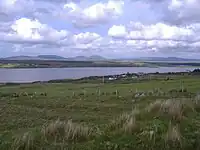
(25, 108)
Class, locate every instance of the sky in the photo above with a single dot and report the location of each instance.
(109, 28)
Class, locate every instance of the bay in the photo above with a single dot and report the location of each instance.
(46, 74)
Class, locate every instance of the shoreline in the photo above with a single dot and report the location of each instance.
(97, 67)
(156, 66)
(106, 77)
(19, 64)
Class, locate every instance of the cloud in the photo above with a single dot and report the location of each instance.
(60, 1)
(85, 38)
(156, 38)
(161, 31)
(94, 14)
(182, 12)
(25, 33)
(158, 31)
(15, 9)
(117, 31)
(25, 30)
(15, 6)
(108, 27)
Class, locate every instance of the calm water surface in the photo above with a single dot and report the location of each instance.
(45, 74)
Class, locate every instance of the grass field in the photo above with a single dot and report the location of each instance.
(143, 115)
(8, 65)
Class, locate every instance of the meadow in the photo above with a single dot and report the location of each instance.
(161, 112)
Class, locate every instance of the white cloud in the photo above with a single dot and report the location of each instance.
(158, 37)
(175, 4)
(183, 4)
(158, 31)
(167, 26)
(117, 31)
(183, 11)
(144, 44)
(95, 14)
(161, 31)
(71, 7)
(15, 6)
(25, 29)
(85, 38)
(32, 32)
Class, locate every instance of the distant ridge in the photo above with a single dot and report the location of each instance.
(56, 57)
(50, 57)
(169, 59)
(21, 57)
(100, 58)
(90, 58)
(157, 59)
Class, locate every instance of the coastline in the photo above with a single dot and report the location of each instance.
(19, 64)
(115, 77)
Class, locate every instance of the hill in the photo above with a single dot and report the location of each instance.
(160, 59)
(21, 57)
(90, 58)
(52, 57)
(167, 59)
(100, 58)
(56, 57)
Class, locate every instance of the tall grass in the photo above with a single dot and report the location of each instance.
(197, 101)
(126, 122)
(27, 141)
(154, 107)
(172, 107)
(130, 125)
(173, 134)
(67, 131)
(55, 132)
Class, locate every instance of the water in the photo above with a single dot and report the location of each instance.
(45, 74)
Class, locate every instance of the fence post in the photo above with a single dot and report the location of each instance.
(116, 92)
(99, 92)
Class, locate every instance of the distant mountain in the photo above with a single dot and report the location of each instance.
(51, 57)
(39, 57)
(168, 59)
(96, 57)
(56, 57)
(78, 58)
(162, 59)
(100, 58)
(84, 58)
(19, 58)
